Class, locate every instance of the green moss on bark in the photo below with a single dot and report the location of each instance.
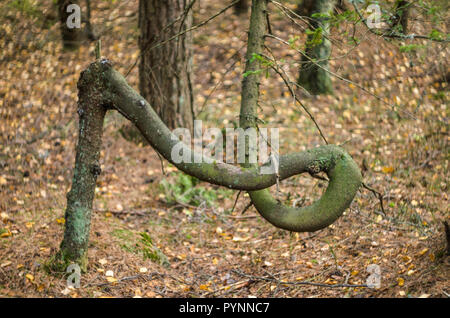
(313, 72)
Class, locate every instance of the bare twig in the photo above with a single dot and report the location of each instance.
(180, 34)
(287, 81)
(247, 207)
(273, 280)
(377, 194)
(341, 78)
(235, 201)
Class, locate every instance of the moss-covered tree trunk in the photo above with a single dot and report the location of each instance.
(87, 167)
(165, 71)
(101, 86)
(313, 70)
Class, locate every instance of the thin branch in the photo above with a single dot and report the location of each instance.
(287, 81)
(273, 280)
(180, 34)
(235, 201)
(394, 34)
(376, 194)
(340, 77)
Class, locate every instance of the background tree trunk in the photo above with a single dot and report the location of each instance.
(305, 7)
(241, 7)
(165, 78)
(401, 16)
(71, 38)
(315, 79)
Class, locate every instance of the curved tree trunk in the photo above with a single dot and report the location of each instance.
(313, 71)
(165, 76)
(100, 86)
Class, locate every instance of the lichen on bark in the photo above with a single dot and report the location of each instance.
(91, 112)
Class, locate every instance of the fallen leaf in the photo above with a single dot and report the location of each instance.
(387, 169)
(7, 263)
(61, 221)
(111, 279)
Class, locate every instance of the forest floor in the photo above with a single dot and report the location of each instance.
(151, 239)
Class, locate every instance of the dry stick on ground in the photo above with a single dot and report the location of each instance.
(131, 212)
(274, 280)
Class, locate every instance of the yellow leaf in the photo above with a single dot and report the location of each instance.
(6, 234)
(29, 225)
(61, 221)
(400, 281)
(240, 239)
(204, 287)
(111, 279)
(387, 169)
(29, 277)
(143, 270)
(422, 252)
(2, 180)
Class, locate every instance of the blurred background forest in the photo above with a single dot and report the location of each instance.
(157, 232)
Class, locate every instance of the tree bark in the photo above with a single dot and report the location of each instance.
(165, 71)
(87, 167)
(100, 86)
(305, 7)
(313, 71)
(73, 37)
(241, 7)
(401, 16)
